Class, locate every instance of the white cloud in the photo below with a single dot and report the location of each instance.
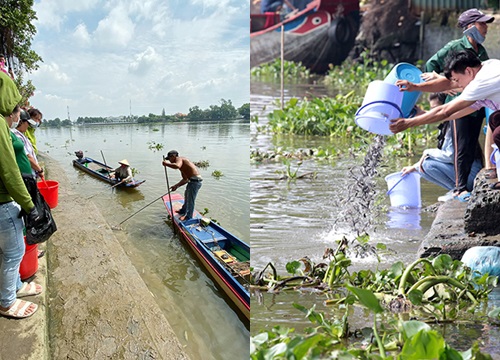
(116, 30)
(156, 54)
(145, 61)
(81, 35)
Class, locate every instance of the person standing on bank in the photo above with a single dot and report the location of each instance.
(35, 115)
(13, 197)
(190, 176)
(466, 129)
(20, 131)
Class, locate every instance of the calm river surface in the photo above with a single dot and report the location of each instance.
(198, 312)
(290, 220)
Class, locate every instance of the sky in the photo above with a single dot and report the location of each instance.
(120, 57)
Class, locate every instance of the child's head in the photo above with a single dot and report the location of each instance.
(436, 99)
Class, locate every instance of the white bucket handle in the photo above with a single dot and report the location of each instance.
(396, 184)
(381, 102)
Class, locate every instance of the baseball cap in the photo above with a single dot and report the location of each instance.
(473, 15)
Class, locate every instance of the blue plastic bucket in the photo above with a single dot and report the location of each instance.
(404, 190)
(382, 102)
(405, 71)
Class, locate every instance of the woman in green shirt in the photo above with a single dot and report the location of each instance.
(13, 197)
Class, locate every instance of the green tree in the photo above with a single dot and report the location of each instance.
(244, 111)
(16, 34)
(195, 113)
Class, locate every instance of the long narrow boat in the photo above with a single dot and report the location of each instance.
(223, 255)
(102, 171)
(317, 34)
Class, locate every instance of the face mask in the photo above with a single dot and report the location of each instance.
(474, 33)
(14, 125)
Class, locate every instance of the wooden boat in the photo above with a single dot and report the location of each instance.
(318, 35)
(102, 171)
(223, 255)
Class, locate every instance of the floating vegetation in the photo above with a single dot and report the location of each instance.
(134, 171)
(204, 164)
(205, 212)
(155, 129)
(428, 289)
(279, 154)
(217, 174)
(357, 75)
(289, 174)
(155, 146)
(292, 71)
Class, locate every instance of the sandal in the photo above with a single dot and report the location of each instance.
(463, 197)
(18, 310)
(28, 289)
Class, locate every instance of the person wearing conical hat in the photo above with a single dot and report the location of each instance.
(123, 173)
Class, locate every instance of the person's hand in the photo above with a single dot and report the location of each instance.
(174, 187)
(164, 162)
(453, 92)
(39, 173)
(34, 217)
(407, 170)
(405, 85)
(427, 76)
(398, 125)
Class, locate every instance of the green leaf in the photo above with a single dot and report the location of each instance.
(367, 298)
(495, 313)
(426, 344)
(415, 297)
(412, 327)
(293, 266)
(300, 351)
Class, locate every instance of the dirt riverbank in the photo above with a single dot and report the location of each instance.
(96, 305)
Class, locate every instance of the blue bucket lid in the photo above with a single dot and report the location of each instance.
(406, 71)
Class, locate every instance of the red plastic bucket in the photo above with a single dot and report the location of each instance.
(50, 191)
(29, 263)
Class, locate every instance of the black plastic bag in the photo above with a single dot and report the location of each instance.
(44, 227)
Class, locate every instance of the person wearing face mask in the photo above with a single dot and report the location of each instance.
(35, 115)
(465, 130)
(13, 197)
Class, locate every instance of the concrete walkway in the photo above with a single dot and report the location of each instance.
(96, 305)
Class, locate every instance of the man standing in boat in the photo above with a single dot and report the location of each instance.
(190, 176)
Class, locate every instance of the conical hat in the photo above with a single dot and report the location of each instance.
(124, 162)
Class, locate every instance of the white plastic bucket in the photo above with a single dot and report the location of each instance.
(495, 159)
(382, 102)
(403, 218)
(404, 190)
(406, 71)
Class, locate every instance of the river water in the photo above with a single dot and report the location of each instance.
(199, 313)
(290, 220)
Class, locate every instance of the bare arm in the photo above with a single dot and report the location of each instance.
(439, 84)
(453, 110)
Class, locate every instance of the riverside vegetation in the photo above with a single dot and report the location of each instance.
(435, 291)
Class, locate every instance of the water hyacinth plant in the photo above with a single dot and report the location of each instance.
(431, 290)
